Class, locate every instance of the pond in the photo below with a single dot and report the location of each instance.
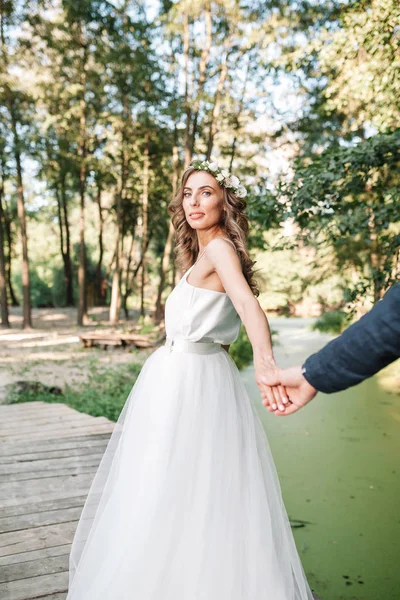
(338, 464)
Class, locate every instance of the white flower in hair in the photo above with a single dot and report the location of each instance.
(223, 176)
(228, 182)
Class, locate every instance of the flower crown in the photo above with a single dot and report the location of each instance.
(221, 175)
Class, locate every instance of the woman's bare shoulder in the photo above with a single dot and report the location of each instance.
(221, 243)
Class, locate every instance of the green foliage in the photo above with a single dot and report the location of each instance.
(360, 60)
(241, 350)
(348, 198)
(104, 394)
(58, 288)
(291, 274)
(334, 321)
(41, 293)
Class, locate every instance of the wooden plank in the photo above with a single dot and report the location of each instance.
(55, 494)
(60, 596)
(31, 508)
(53, 455)
(34, 568)
(26, 408)
(34, 587)
(59, 421)
(22, 425)
(52, 452)
(30, 409)
(20, 522)
(60, 443)
(37, 537)
(48, 465)
(42, 553)
(39, 475)
(43, 488)
(53, 433)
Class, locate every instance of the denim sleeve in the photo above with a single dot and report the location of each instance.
(362, 350)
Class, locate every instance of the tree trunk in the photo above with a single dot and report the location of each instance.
(115, 304)
(135, 271)
(145, 202)
(82, 300)
(202, 76)
(188, 130)
(64, 243)
(236, 127)
(99, 266)
(164, 264)
(159, 313)
(67, 261)
(8, 265)
(217, 100)
(3, 280)
(82, 296)
(127, 273)
(26, 288)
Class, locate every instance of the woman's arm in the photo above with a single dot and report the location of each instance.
(225, 262)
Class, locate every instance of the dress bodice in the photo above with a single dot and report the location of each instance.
(199, 314)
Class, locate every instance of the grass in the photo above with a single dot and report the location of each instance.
(103, 394)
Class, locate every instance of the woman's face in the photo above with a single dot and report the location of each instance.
(202, 200)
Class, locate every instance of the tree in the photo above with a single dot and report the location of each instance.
(348, 198)
(3, 277)
(18, 104)
(360, 61)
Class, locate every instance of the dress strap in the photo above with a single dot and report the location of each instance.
(199, 256)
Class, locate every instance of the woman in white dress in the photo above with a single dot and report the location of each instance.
(186, 503)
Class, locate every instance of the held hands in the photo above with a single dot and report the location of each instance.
(289, 384)
(268, 379)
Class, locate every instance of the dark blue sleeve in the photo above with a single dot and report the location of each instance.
(362, 350)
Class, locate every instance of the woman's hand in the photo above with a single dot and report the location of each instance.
(268, 379)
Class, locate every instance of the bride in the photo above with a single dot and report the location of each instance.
(186, 503)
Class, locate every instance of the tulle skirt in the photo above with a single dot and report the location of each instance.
(186, 503)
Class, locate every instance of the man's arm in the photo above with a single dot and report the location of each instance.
(362, 350)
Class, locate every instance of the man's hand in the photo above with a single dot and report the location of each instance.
(298, 389)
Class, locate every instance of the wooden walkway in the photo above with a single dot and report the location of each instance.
(49, 454)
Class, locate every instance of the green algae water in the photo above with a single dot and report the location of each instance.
(338, 464)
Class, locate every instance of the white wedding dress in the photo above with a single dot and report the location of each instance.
(186, 503)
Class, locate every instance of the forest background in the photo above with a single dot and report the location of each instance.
(105, 103)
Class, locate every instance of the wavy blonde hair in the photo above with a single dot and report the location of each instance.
(234, 222)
